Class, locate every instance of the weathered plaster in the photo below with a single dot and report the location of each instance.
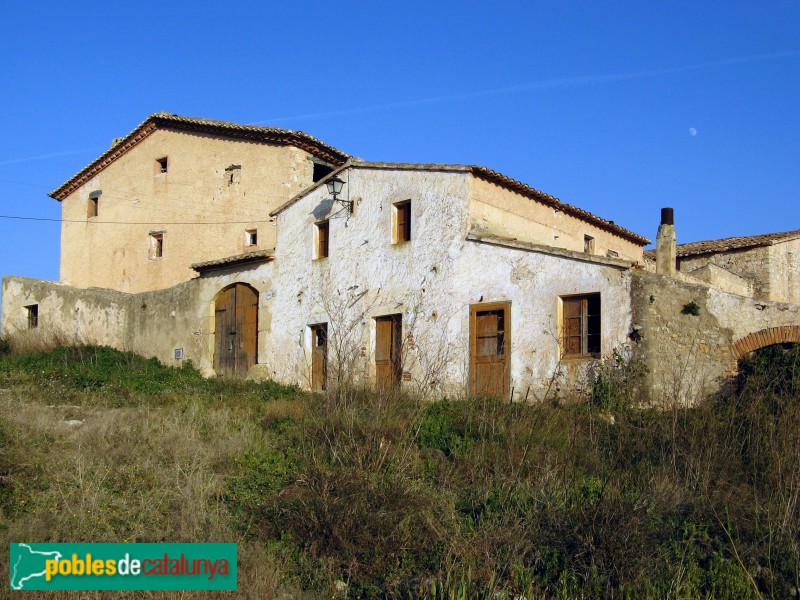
(432, 280)
(691, 356)
(153, 324)
(772, 272)
(498, 211)
(112, 250)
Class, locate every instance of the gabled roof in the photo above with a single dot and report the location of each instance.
(584, 215)
(732, 243)
(165, 120)
(488, 175)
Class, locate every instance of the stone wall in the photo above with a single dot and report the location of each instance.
(432, 280)
(771, 272)
(692, 355)
(153, 324)
(785, 271)
(91, 316)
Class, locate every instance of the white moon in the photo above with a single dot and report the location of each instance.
(692, 131)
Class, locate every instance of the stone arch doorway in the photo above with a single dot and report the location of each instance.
(235, 330)
(766, 337)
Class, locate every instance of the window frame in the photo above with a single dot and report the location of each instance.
(93, 205)
(401, 228)
(588, 244)
(156, 245)
(32, 315)
(322, 239)
(250, 238)
(584, 324)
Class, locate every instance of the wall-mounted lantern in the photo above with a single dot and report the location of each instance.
(334, 189)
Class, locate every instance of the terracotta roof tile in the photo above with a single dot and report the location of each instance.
(247, 257)
(732, 243)
(489, 175)
(299, 139)
(165, 120)
(584, 215)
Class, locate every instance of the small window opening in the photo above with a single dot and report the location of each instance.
(33, 316)
(162, 164)
(581, 325)
(322, 239)
(251, 237)
(402, 222)
(588, 244)
(94, 207)
(612, 253)
(156, 245)
(233, 174)
(320, 171)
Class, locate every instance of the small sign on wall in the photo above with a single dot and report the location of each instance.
(178, 353)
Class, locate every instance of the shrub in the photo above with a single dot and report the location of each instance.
(617, 381)
(442, 429)
(379, 495)
(690, 308)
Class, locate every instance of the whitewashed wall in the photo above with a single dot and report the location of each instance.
(432, 280)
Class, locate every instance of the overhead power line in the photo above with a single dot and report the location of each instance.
(95, 222)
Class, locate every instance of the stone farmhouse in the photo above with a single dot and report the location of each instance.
(223, 244)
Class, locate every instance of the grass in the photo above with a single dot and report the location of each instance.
(367, 494)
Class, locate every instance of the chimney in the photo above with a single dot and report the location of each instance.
(665, 243)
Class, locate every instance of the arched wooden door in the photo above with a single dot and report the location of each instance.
(236, 330)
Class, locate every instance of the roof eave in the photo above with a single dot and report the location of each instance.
(234, 261)
(584, 215)
(168, 121)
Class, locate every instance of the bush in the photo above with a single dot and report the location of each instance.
(690, 308)
(5, 346)
(391, 497)
(617, 381)
(442, 428)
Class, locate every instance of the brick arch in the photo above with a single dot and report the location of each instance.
(766, 337)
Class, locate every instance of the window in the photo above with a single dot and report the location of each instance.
(161, 164)
(94, 204)
(233, 174)
(321, 239)
(588, 244)
(33, 316)
(490, 335)
(401, 217)
(156, 244)
(320, 171)
(251, 237)
(581, 325)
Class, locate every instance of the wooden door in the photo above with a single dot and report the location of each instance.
(236, 330)
(388, 341)
(319, 357)
(490, 328)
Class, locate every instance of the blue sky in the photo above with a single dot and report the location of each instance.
(617, 107)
